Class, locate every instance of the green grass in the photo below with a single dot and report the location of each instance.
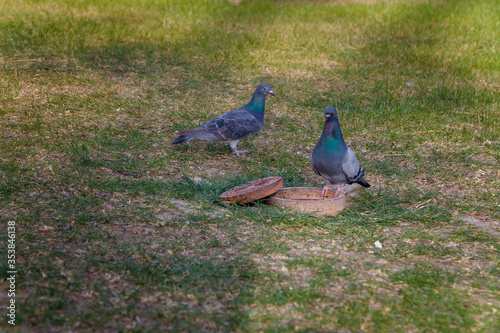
(92, 91)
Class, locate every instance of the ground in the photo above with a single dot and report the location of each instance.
(118, 230)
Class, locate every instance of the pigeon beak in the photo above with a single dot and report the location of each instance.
(272, 93)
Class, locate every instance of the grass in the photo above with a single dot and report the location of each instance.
(117, 230)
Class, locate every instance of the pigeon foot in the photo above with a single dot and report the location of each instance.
(324, 190)
(240, 152)
(336, 194)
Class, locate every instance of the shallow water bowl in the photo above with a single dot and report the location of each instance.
(308, 200)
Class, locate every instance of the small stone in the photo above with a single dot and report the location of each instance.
(198, 180)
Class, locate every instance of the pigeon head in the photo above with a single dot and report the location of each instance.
(330, 113)
(332, 126)
(264, 89)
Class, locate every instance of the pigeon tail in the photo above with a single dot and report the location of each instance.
(182, 139)
(363, 183)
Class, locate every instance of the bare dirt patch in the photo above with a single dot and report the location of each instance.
(485, 224)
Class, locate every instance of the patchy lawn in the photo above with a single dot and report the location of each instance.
(118, 230)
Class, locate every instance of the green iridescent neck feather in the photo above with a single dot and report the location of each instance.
(331, 138)
(257, 105)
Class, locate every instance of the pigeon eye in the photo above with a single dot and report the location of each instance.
(264, 89)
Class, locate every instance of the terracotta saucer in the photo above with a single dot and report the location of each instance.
(253, 190)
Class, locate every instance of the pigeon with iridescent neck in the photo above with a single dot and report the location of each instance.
(233, 126)
(333, 160)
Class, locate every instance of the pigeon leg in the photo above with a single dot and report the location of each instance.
(324, 190)
(235, 149)
(336, 194)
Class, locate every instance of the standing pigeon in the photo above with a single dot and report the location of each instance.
(333, 160)
(233, 126)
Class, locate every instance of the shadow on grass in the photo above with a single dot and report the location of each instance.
(215, 41)
(147, 290)
(209, 41)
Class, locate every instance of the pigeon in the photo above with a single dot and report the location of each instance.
(233, 126)
(333, 160)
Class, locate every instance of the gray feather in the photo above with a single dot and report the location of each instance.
(332, 159)
(233, 126)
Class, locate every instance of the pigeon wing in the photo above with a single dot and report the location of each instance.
(351, 168)
(316, 171)
(235, 125)
(314, 165)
